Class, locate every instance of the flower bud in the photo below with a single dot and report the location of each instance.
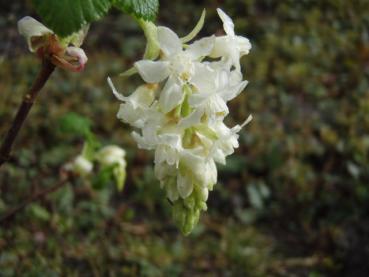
(64, 53)
(80, 166)
(111, 154)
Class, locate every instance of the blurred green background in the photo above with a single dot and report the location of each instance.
(292, 201)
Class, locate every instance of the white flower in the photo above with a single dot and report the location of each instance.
(230, 47)
(214, 88)
(175, 62)
(182, 121)
(111, 154)
(134, 109)
(114, 156)
(168, 149)
(80, 165)
(171, 95)
(227, 140)
(160, 129)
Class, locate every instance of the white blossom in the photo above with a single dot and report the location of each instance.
(114, 156)
(181, 120)
(80, 165)
(110, 155)
(230, 47)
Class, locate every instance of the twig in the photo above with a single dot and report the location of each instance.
(28, 100)
(11, 213)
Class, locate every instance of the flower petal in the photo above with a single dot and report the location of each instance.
(169, 42)
(128, 114)
(191, 120)
(111, 154)
(227, 22)
(231, 92)
(217, 105)
(171, 187)
(118, 95)
(211, 173)
(204, 78)
(151, 71)
(184, 186)
(243, 44)
(75, 53)
(34, 32)
(171, 96)
(201, 47)
(172, 140)
(199, 99)
(221, 47)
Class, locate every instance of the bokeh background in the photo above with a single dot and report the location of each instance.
(292, 201)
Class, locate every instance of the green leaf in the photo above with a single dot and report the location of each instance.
(104, 176)
(75, 124)
(145, 9)
(39, 212)
(90, 147)
(65, 17)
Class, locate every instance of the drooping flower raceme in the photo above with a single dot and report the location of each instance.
(179, 114)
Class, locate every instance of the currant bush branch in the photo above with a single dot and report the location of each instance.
(46, 70)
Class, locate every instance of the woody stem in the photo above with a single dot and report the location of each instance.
(46, 70)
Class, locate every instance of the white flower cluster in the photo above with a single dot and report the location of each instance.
(179, 113)
(111, 156)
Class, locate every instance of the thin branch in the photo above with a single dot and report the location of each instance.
(28, 100)
(38, 195)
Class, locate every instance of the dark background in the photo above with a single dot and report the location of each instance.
(292, 201)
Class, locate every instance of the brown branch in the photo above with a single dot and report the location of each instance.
(28, 100)
(11, 213)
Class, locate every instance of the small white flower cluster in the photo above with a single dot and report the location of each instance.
(180, 113)
(110, 156)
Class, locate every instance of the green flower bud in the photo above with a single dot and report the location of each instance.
(186, 212)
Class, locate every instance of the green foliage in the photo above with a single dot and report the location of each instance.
(75, 124)
(107, 174)
(103, 177)
(65, 17)
(39, 212)
(79, 126)
(145, 9)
